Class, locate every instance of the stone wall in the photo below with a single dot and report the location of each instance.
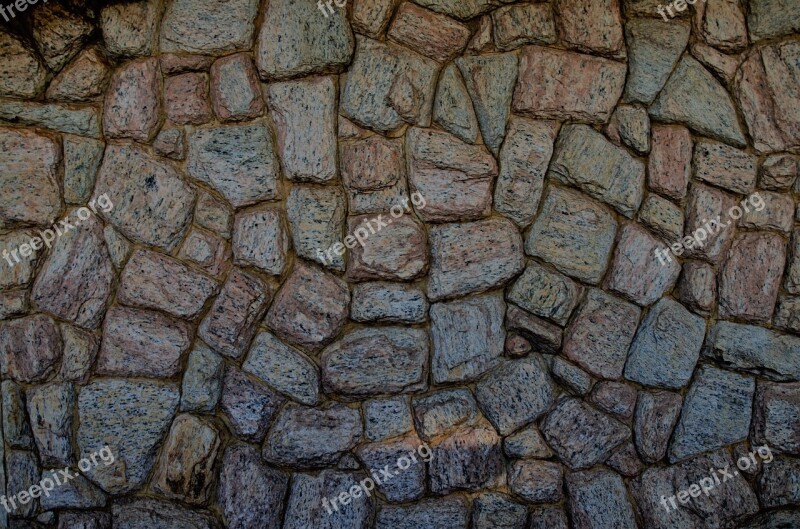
(441, 264)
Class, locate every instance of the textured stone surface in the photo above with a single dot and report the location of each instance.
(755, 349)
(654, 47)
(23, 73)
(536, 481)
(656, 415)
(305, 508)
(31, 346)
(597, 498)
(396, 251)
(130, 29)
(775, 407)
(186, 99)
(591, 26)
(133, 101)
(388, 302)
(85, 121)
(494, 510)
(235, 92)
(669, 164)
(82, 80)
(250, 406)
(141, 513)
(523, 24)
(452, 108)
(283, 368)
(428, 33)
(51, 408)
(407, 485)
(450, 511)
(260, 239)
(202, 380)
(208, 27)
(387, 417)
(664, 218)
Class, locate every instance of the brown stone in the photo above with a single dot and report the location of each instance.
(371, 17)
(722, 25)
(22, 74)
(83, 79)
(186, 99)
(30, 347)
(670, 162)
(133, 102)
(520, 24)
(397, 251)
(591, 26)
(431, 34)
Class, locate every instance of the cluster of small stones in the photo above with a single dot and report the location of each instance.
(516, 320)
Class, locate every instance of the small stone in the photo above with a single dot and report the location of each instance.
(28, 177)
(202, 380)
(310, 308)
(174, 63)
(84, 520)
(776, 212)
(751, 277)
(517, 346)
(398, 252)
(792, 282)
(208, 27)
(371, 17)
(656, 416)
(16, 426)
(22, 272)
(79, 493)
(724, 166)
(294, 439)
(467, 337)
(571, 377)
(250, 406)
(59, 33)
(374, 174)
(490, 81)
(304, 113)
(778, 483)
(213, 214)
(494, 510)
(376, 361)
(433, 35)
(152, 280)
(574, 233)
(670, 161)
(30, 348)
(694, 97)
(407, 485)
(318, 44)
(142, 343)
(185, 468)
(80, 351)
(13, 303)
(84, 79)
(237, 160)
(482, 41)
(536, 481)
(444, 411)
(141, 513)
(186, 99)
(23, 472)
(468, 459)
(51, 408)
(471, 257)
(667, 346)
(516, 393)
(517, 25)
(625, 461)
(755, 349)
(594, 26)
(523, 161)
(545, 293)
(654, 47)
(129, 29)
(82, 157)
(452, 108)
(371, 93)
(778, 172)
(235, 91)
(131, 416)
(722, 25)
(206, 250)
(637, 271)
(722, 65)
(544, 335)
(171, 143)
(600, 333)
(308, 493)
(633, 126)
(387, 418)
(287, 370)
(548, 518)
(597, 499)
(716, 413)
(250, 493)
(615, 397)
(451, 512)
(580, 435)
(132, 104)
(787, 314)
(663, 217)
(23, 75)
(388, 303)
(231, 323)
(260, 239)
(776, 405)
(454, 178)
(527, 443)
(152, 204)
(706, 205)
(561, 85)
(83, 121)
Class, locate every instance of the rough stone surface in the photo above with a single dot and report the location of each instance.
(654, 47)
(186, 99)
(82, 80)
(444, 411)
(23, 74)
(388, 302)
(426, 32)
(202, 380)
(133, 101)
(235, 92)
(287, 370)
(597, 499)
(396, 251)
(208, 27)
(776, 405)
(755, 349)
(31, 347)
(656, 415)
(250, 406)
(536, 481)
(516, 25)
(670, 162)
(307, 492)
(260, 239)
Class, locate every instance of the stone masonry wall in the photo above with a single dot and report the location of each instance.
(429, 264)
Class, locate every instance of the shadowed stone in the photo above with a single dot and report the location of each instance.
(14, 303)
(388, 303)
(132, 104)
(775, 421)
(296, 40)
(468, 459)
(216, 26)
(630, 125)
(208, 251)
(129, 416)
(235, 91)
(83, 79)
(80, 351)
(16, 426)
(561, 85)
(250, 493)
(284, 368)
(542, 334)
(407, 485)
(647, 490)
(250, 406)
(82, 157)
(452, 108)
(664, 218)
(23, 75)
(767, 18)
(58, 32)
(311, 497)
(30, 347)
(450, 512)
(171, 143)
(84, 121)
(716, 413)
(237, 160)
(471, 257)
(777, 485)
(78, 493)
(548, 518)
(144, 513)
(460, 9)
(428, 33)
(213, 214)
(527, 443)
(129, 30)
(705, 210)
(260, 239)
(694, 97)
(468, 337)
(516, 393)
(202, 380)
(23, 472)
(536, 481)
(654, 47)
(373, 361)
(310, 308)
(386, 418)
(574, 233)
(755, 349)
(656, 416)
(722, 25)
(598, 500)
(625, 461)
(494, 510)
(517, 25)
(51, 408)
(294, 439)
(580, 435)
(444, 411)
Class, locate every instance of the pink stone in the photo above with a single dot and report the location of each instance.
(132, 105)
(591, 25)
(431, 34)
(235, 90)
(397, 251)
(670, 163)
(186, 99)
(30, 347)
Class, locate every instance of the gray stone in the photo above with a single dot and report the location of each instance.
(542, 334)
(598, 500)
(316, 217)
(370, 17)
(631, 126)
(586, 159)
(131, 417)
(30, 348)
(452, 108)
(462, 10)
(235, 91)
(386, 418)
(375, 361)
(78, 493)
(202, 380)
(314, 502)
(214, 215)
(516, 393)
(22, 272)
(468, 337)
(664, 218)
(656, 416)
(615, 397)
(237, 160)
(433, 35)
(494, 510)
(647, 490)
(654, 47)
(667, 346)
(59, 33)
(396, 251)
(778, 484)
(208, 27)
(261, 239)
(467, 459)
(787, 314)
(294, 439)
(171, 142)
(119, 248)
(406, 485)
(16, 426)
(580, 435)
(774, 422)
(84, 79)
(777, 212)
(444, 411)
(144, 513)
(250, 406)
(548, 518)
(706, 205)
(388, 303)
(716, 413)
(517, 25)
(23, 75)
(51, 408)
(755, 349)
(767, 18)
(80, 351)
(129, 30)
(536, 481)
(575, 379)
(626, 461)
(450, 512)
(23, 472)
(527, 443)
(724, 166)
(83, 121)
(82, 157)
(284, 368)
